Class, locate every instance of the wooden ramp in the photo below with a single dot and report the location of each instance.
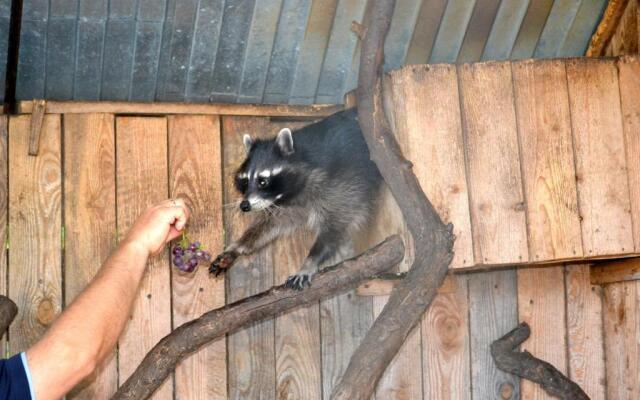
(534, 162)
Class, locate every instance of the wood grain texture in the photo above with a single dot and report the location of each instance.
(621, 332)
(297, 333)
(403, 377)
(4, 200)
(35, 230)
(625, 37)
(428, 128)
(89, 220)
(141, 173)
(130, 107)
(585, 332)
(623, 270)
(541, 304)
(603, 191)
(496, 198)
(546, 156)
(445, 345)
(251, 352)
(493, 311)
(194, 175)
(629, 74)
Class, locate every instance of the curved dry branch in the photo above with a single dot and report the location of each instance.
(189, 337)
(8, 311)
(433, 240)
(524, 365)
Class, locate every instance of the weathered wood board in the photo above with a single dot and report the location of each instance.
(35, 229)
(601, 168)
(541, 304)
(584, 331)
(546, 153)
(141, 173)
(89, 219)
(195, 175)
(496, 199)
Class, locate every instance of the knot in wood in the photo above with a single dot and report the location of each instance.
(506, 391)
(46, 312)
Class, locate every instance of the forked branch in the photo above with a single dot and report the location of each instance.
(433, 240)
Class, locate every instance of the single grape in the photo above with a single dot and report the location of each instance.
(178, 251)
(193, 247)
(188, 268)
(178, 261)
(193, 262)
(197, 244)
(200, 254)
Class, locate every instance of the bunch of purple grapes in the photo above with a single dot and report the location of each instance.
(187, 256)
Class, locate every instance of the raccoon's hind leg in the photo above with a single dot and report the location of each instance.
(263, 230)
(330, 244)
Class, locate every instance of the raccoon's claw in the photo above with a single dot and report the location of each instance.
(298, 281)
(223, 262)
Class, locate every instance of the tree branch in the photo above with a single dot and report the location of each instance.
(189, 337)
(523, 364)
(8, 311)
(433, 241)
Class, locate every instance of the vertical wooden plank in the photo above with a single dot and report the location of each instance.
(297, 340)
(251, 353)
(496, 198)
(4, 198)
(601, 168)
(546, 151)
(541, 304)
(35, 230)
(621, 332)
(141, 171)
(403, 377)
(195, 175)
(89, 220)
(493, 311)
(584, 331)
(427, 115)
(445, 345)
(629, 70)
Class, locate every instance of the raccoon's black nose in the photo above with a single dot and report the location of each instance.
(245, 205)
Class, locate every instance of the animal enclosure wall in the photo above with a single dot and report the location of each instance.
(534, 162)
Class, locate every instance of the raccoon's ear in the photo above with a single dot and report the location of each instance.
(247, 141)
(285, 141)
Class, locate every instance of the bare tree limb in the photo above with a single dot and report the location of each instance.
(433, 241)
(507, 358)
(189, 337)
(8, 311)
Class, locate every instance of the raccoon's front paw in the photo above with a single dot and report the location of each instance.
(299, 281)
(223, 262)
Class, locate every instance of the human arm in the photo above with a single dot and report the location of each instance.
(86, 332)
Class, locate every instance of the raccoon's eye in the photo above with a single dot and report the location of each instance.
(263, 183)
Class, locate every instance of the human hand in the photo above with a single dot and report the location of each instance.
(158, 225)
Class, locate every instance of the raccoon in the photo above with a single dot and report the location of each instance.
(319, 178)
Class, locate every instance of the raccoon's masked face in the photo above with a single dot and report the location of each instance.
(268, 178)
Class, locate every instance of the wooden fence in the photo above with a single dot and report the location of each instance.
(534, 162)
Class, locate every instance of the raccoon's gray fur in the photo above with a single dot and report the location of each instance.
(319, 178)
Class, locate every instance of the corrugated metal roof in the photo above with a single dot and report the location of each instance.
(267, 51)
